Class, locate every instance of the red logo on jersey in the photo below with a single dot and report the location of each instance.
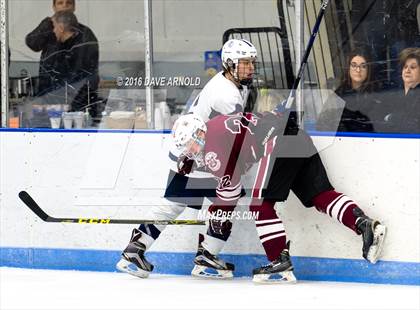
(212, 162)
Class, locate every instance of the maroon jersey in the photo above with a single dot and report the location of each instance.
(230, 149)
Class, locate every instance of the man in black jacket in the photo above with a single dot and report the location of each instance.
(69, 57)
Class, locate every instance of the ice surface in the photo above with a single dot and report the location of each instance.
(53, 289)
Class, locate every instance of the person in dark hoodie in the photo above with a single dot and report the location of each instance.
(69, 57)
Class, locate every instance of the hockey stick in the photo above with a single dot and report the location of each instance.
(304, 61)
(31, 204)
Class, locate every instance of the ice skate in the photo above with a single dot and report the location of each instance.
(132, 259)
(208, 265)
(373, 235)
(278, 271)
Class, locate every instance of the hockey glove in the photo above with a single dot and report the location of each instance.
(185, 165)
(220, 227)
(281, 108)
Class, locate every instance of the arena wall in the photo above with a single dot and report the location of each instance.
(120, 174)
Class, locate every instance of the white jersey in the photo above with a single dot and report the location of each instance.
(219, 96)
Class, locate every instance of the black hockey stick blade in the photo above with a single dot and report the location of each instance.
(31, 204)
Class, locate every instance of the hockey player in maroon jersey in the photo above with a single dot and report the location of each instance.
(226, 93)
(227, 146)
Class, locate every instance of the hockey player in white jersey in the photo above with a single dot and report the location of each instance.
(226, 93)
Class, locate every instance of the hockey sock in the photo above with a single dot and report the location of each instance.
(212, 244)
(337, 206)
(150, 229)
(270, 228)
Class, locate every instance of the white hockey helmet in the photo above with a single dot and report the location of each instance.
(234, 50)
(186, 131)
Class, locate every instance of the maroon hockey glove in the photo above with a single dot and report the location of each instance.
(220, 227)
(185, 165)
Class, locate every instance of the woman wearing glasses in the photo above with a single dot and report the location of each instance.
(349, 108)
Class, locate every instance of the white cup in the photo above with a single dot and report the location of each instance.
(67, 120)
(78, 120)
(55, 122)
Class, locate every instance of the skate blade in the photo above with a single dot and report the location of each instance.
(128, 267)
(375, 249)
(285, 277)
(203, 272)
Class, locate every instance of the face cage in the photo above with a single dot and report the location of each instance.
(245, 82)
(197, 157)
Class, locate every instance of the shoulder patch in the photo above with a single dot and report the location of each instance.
(212, 162)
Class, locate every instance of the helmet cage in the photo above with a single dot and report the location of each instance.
(195, 140)
(187, 137)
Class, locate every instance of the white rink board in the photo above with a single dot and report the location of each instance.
(117, 175)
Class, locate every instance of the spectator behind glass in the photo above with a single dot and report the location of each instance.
(355, 90)
(403, 32)
(58, 56)
(403, 107)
